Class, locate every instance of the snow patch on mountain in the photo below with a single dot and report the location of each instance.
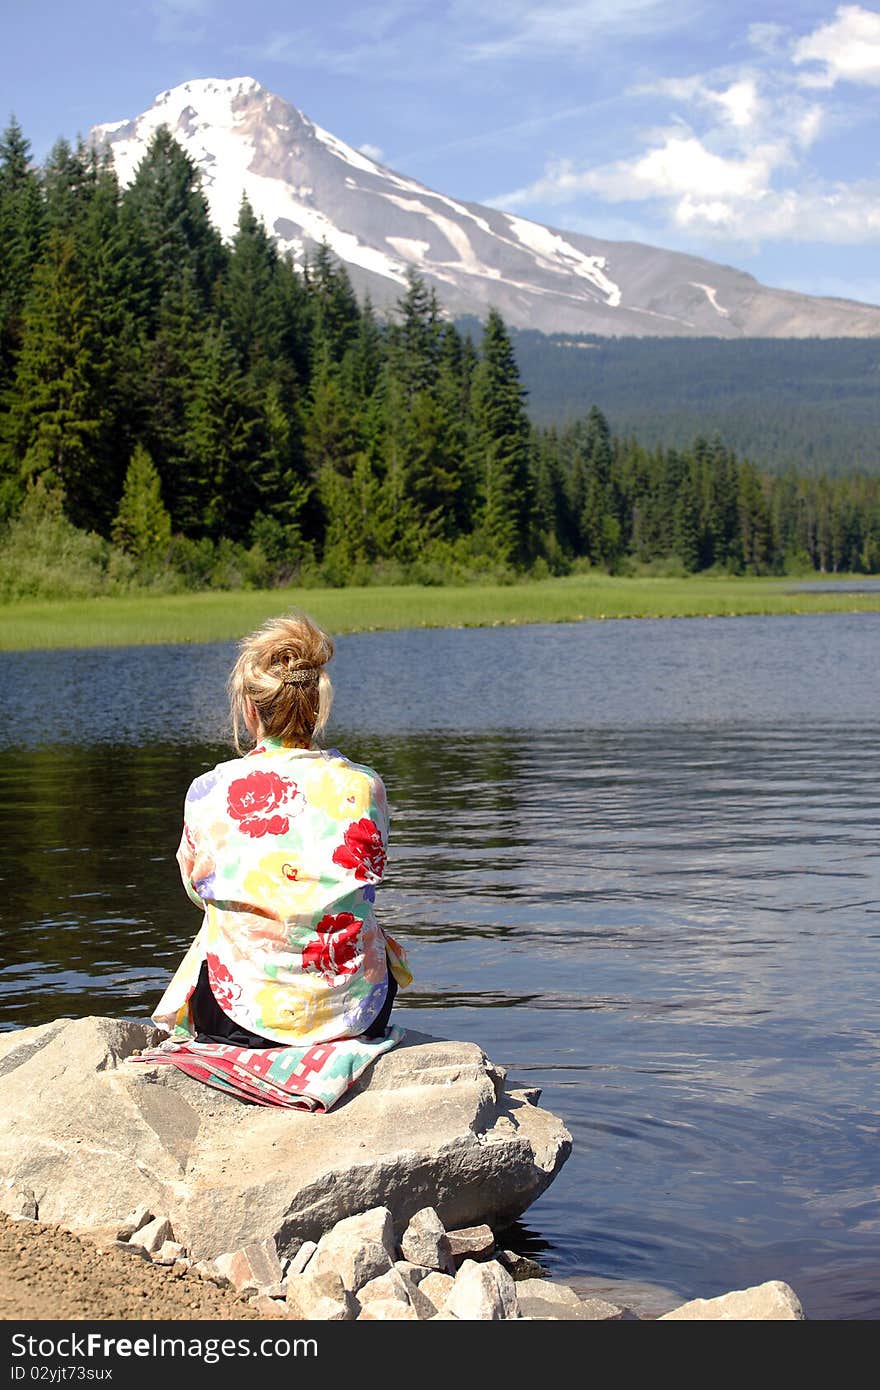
(712, 296)
(553, 247)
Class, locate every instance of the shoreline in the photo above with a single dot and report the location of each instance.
(222, 615)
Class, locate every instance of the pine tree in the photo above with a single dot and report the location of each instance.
(142, 525)
(335, 313)
(57, 425)
(222, 443)
(167, 220)
(21, 237)
(250, 303)
(501, 447)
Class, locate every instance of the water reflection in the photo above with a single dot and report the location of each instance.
(669, 924)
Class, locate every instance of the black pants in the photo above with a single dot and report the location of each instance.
(211, 1024)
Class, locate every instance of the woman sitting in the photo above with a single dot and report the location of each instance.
(283, 849)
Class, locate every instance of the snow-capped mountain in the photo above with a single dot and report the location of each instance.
(308, 186)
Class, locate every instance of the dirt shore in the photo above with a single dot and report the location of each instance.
(46, 1272)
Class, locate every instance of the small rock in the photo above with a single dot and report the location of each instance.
(483, 1292)
(473, 1242)
(425, 1242)
(770, 1302)
(358, 1248)
(180, 1267)
(170, 1251)
(138, 1219)
(256, 1264)
(390, 1285)
(207, 1271)
(529, 1095)
(320, 1296)
(437, 1287)
(387, 1310)
(414, 1272)
(520, 1266)
(548, 1291)
(276, 1290)
(584, 1310)
(417, 1292)
(153, 1235)
(18, 1202)
(297, 1264)
(269, 1307)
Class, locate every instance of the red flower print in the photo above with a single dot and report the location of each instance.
(262, 803)
(335, 948)
(223, 986)
(363, 851)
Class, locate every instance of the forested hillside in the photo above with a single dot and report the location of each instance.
(177, 411)
(812, 404)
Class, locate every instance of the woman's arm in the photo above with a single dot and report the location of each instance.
(186, 859)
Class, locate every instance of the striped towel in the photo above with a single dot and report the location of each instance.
(298, 1078)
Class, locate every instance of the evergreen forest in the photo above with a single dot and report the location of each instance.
(178, 412)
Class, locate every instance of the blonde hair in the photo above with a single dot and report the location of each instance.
(280, 669)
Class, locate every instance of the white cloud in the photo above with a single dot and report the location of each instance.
(675, 168)
(371, 151)
(737, 164)
(768, 38)
(521, 28)
(848, 48)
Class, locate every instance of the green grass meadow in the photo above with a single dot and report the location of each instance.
(216, 616)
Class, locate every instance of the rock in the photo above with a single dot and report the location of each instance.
(548, 1291)
(359, 1248)
(430, 1123)
(770, 1302)
(582, 1310)
(169, 1252)
(387, 1310)
(474, 1242)
(269, 1307)
(18, 1202)
(437, 1287)
(482, 1291)
(256, 1264)
(206, 1270)
(418, 1293)
(387, 1286)
(134, 1223)
(425, 1242)
(415, 1273)
(297, 1264)
(528, 1095)
(520, 1266)
(152, 1236)
(320, 1297)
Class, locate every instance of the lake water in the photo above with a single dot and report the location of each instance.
(639, 863)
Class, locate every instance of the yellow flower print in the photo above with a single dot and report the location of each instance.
(294, 1007)
(336, 792)
(279, 885)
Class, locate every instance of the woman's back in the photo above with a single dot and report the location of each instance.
(283, 848)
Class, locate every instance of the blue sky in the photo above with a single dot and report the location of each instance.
(747, 133)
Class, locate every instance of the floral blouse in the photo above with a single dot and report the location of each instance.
(283, 849)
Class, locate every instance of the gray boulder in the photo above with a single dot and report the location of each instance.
(770, 1302)
(429, 1124)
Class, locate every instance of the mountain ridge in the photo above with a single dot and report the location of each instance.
(307, 186)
